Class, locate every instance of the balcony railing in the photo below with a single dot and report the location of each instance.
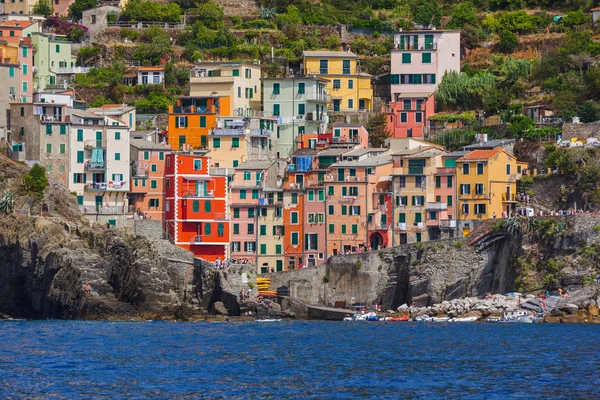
(103, 186)
(509, 197)
(447, 223)
(73, 70)
(52, 118)
(415, 170)
(315, 117)
(94, 166)
(227, 132)
(195, 110)
(94, 144)
(140, 172)
(378, 226)
(402, 226)
(293, 185)
(436, 206)
(335, 178)
(193, 193)
(198, 239)
(261, 132)
(103, 210)
(221, 171)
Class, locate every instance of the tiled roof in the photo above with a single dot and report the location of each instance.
(481, 154)
(328, 53)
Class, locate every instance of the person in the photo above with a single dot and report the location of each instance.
(566, 295)
(272, 269)
(598, 279)
(560, 292)
(218, 263)
(494, 215)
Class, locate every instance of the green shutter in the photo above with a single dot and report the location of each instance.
(202, 121)
(80, 157)
(206, 228)
(402, 218)
(195, 206)
(236, 213)
(206, 205)
(63, 129)
(331, 228)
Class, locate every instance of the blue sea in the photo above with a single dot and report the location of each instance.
(299, 360)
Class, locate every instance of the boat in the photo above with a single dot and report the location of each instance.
(423, 318)
(519, 317)
(269, 320)
(398, 319)
(440, 319)
(463, 319)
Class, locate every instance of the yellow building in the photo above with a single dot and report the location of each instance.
(238, 81)
(349, 89)
(487, 185)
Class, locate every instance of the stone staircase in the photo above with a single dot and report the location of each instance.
(240, 8)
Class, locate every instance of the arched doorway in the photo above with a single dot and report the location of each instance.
(376, 241)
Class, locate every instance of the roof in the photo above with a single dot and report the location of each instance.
(362, 152)
(490, 144)
(426, 153)
(456, 154)
(346, 125)
(151, 69)
(332, 151)
(255, 165)
(367, 162)
(413, 94)
(595, 9)
(147, 145)
(19, 24)
(481, 155)
(428, 31)
(85, 114)
(328, 53)
(305, 152)
(410, 152)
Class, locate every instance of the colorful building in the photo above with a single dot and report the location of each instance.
(419, 60)
(240, 82)
(487, 186)
(350, 133)
(99, 167)
(300, 102)
(351, 187)
(237, 140)
(16, 48)
(147, 194)
(196, 206)
(191, 120)
(121, 112)
(349, 88)
(49, 54)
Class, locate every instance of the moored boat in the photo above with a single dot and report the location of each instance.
(519, 317)
(464, 319)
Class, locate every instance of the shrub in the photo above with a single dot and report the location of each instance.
(35, 181)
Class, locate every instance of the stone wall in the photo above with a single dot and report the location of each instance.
(580, 131)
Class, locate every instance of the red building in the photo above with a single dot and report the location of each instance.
(407, 116)
(196, 214)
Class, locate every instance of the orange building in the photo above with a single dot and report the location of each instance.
(147, 193)
(196, 215)
(191, 120)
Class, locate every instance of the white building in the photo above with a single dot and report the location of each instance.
(151, 76)
(99, 166)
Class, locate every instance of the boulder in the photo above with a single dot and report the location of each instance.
(220, 309)
(556, 312)
(402, 308)
(593, 310)
(568, 308)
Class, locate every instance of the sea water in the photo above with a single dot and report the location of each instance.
(298, 359)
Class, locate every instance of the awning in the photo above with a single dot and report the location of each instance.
(384, 179)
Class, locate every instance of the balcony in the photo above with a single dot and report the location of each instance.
(105, 187)
(95, 166)
(509, 198)
(227, 132)
(52, 118)
(102, 210)
(415, 170)
(193, 193)
(428, 46)
(139, 173)
(402, 226)
(221, 171)
(198, 239)
(333, 178)
(94, 144)
(194, 110)
(314, 117)
(319, 97)
(293, 185)
(378, 226)
(261, 132)
(73, 70)
(447, 223)
(436, 206)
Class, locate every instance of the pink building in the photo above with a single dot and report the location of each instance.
(419, 61)
(350, 133)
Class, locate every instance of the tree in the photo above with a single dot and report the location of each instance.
(79, 6)
(291, 17)
(43, 7)
(463, 14)
(428, 13)
(588, 112)
(378, 130)
(35, 181)
(508, 41)
(519, 124)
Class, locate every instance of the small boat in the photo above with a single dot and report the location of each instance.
(269, 320)
(463, 319)
(423, 318)
(398, 319)
(348, 319)
(519, 317)
(440, 319)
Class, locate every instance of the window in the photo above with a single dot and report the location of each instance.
(243, 194)
(337, 132)
(465, 208)
(235, 163)
(343, 229)
(311, 241)
(63, 148)
(11, 72)
(394, 79)
(25, 51)
(402, 182)
(311, 218)
(181, 122)
(311, 195)
(346, 67)
(197, 165)
(25, 69)
(479, 168)
(250, 229)
(507, 169)
(330, 209)
(235, 142)
(254, 194)
(117, 156)
(350, 83)
(353, 191)
(350, 104)
(449, 181)
(418, 218)
(321, 195)
(406, 58)
(426, 58)
(418, 237)
(251, 213)
(301, 109)
(80, 157)
(419, 104)
(449, 201)
(263, 230)
(248, 73)
(301, 88)
(323, 67)
(79, 178)
(207, 206)
(153, 184)
(48, 129)
(465, 188)
(294, 198)
(276, 109)
(331, 228)
(216, 143)
(247, 175)
(354, 210)
(278, 249)
(418, 201)
(354, 229)
(207, 228)
(337, 84)
(235, 72)
(249, 246)
(401, 201)
(480, 209)
(330, 190)
(432, 215)
(153, 168)
(420, 182)
(465, 168)
(48, 148)
(406, 104)
(479, 188)
(294, 215)
(57, 49)
(418, 117)
(202, 121)
(236, 213)
(403, 118)
(276, 88)
(344, 210)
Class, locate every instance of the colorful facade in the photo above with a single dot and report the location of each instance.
(191, 120)
(49, 54)
(349, 88)
(196, 206)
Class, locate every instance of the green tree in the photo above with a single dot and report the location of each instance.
(463, 14)
(588, 112)
(79, 6)
(146, 10)
(464, 92)
(378, 130)
(291, 17)
(43, 7)
(428, 13)
(212, 15)
(35, 181)
(519, 125)
(508, 41)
